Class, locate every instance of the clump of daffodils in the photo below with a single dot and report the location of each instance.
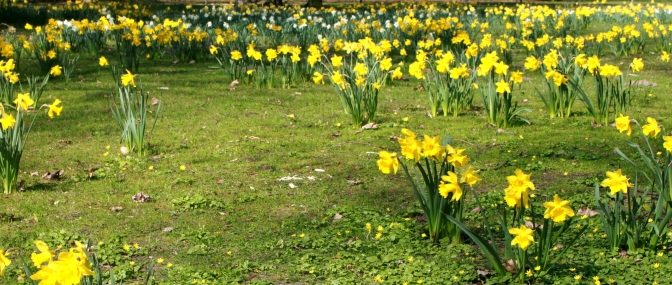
(446, 175)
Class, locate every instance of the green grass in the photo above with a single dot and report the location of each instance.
(236, 145)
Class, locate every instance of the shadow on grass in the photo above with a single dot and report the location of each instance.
(40, 187)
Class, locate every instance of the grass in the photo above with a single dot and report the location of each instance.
(229, 218)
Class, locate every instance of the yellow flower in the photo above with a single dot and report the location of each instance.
(318, 78)
(517, 77)
(410, 146)
(7, 121)
(456, 156)
(501, 68)
(592, 64)
(431, 147)
(386, 64)
(516, 194)
(388, 162)
(558, 210)
(236, 55)
(617, 182)
(55, 109)
(397, 74)
(43, 256)
(651, 129)
(523, 237)
(470, 177)
(665, 57)
(609, 70)
(213, 50)
(336, 61)
(128, 79)
(28, 27)
(503, 87)
(667, 144)
(532, 63)
(102, 61)
(623, 124)
(450, 184)
(271, 54)
(417, 70)
(23, 101)
(69, 268)
(637, 65)
(4, 262)
(360, 69)
(580, 60)
(337, 78)
(56, 70)
(459, 72)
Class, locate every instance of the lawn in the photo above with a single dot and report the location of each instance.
(276, 186)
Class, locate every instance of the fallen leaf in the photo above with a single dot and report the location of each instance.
(337, 217)
(116, 208)
(141, 197)
(53, 176)
(155, 101)
(233, 84)
(370, 126)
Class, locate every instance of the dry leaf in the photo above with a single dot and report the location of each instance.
(141, 197)
(233, 84)
(370, 126)
(53, 176)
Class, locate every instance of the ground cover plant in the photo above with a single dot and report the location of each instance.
(349, 144)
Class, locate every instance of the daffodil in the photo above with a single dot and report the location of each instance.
(56, 70)
(213, 50)
(271, 54)
(532, 63)
(388, 162)
(102, 61)
(43, 255)
(411, 148)
(503, 87)
(336, 61)
(470, 177)
(69, 268)
(236, 55)
(522, 237)
(55, 109)
(517, 193)
(617, 182)
(397, 73)
(7, 121)
(4, 262)
(456, 156)
(450, 184)
(558, 210)
(623, 124)
(431, 147)
(651, 128)
(386, 64)
(23, 101)
(667, 143)
(318, 78)
(128, 78)
(637, 65)
(517, 77)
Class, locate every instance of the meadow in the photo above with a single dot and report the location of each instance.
(251, 171)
